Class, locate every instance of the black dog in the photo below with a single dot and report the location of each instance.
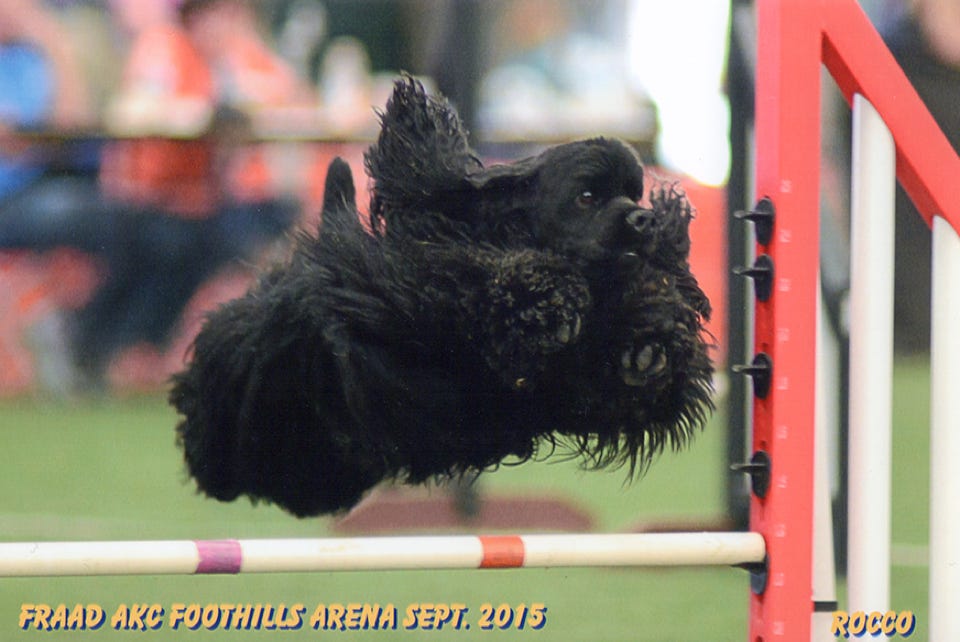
(484, 314)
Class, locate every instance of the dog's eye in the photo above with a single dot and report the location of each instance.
(585, 199)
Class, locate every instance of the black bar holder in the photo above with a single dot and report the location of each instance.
(763, 215)
(762, 274)
(759, 470)
(761, 371)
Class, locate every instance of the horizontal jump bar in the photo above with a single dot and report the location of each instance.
(187, 557)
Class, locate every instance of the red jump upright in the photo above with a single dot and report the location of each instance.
(795, 37)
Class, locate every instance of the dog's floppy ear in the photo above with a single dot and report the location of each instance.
(512, 186)
(516, 175)
(421, 153)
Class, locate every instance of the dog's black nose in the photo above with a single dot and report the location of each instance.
(644, 224)
(643, 221)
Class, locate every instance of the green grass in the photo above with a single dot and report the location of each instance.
(110, 470)
(911, 490)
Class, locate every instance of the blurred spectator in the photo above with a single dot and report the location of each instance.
(562, 71)
(389, 31)
(40, 72)
(250, 80)
(189, 195)
(301, 28)
(94, 42)
(164, 104)
(40, 87)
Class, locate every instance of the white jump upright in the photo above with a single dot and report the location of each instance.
(945, 435)
(824, 561)
(871, 359)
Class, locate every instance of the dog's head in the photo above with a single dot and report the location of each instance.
(580, 199)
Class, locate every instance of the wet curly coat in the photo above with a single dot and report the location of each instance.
(484, 314)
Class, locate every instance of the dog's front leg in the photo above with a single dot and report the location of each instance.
(532, 305)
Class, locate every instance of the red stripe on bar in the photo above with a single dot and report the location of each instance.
(219, 556)
(502, 551)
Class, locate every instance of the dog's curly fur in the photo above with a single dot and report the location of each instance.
(485, 314)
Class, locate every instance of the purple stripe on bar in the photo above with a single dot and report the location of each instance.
(219, 556)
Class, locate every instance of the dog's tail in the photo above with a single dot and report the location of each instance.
(339, 192)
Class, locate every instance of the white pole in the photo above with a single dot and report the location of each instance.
(646, 549)
(945, 435)
(60, 559)
(825, 432)
(871, 360)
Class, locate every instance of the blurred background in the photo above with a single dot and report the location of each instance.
(155, 153)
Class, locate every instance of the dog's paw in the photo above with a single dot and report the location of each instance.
(528, 315)
(549, 324)
(531, 334)
(540, 333)
(643, 365)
